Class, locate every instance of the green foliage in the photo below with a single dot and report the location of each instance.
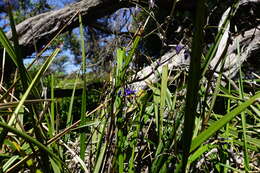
(101, 125)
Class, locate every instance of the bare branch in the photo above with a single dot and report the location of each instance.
(249, 44)
(38, 30)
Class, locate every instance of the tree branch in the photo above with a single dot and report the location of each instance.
(39, 30)
(249, 45)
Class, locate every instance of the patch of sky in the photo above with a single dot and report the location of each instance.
(3, 23)
(58, 4)
(121, 20)
(69, 66)
(1, 3)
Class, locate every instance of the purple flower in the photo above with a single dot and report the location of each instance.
(128, 92)
(178, 48)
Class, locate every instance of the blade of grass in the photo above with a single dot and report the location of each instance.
(241, 95)
(84, 95)
(118, 106)
(76, 157)
(159, 161)
(128, 59)
(142, 101)
(14, 35)
(123, 62)
(119, 68)
(8, 47)
(200, 152)
(55, 166)
(202, 137)
(156, 102)
(55, 138)
(9, 162)
(193, 82)
(230, 168)
(52, 119)
(99, 147)
(34, 81)
(100, 158)
(25, 77)
(29, 139)
(214, 96)
(69, 115)
(213, 49)
(163, 100)
(3, 41)
(27, 92)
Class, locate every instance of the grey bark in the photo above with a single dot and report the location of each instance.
(151, 74)
(37, 31)
(249, 50)
(249, 46)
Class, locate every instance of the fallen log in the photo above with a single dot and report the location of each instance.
(249, 46)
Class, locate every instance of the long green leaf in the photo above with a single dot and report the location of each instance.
(213, 49)
(29, 139)
(197, 141)
(84, 94)
(34, 81)
(10, 162)
(69, 115)
(100, 158)
(52, 115)
(241, 94)
(25, 77)
(7, 45)
(193, 82)
(163, 99)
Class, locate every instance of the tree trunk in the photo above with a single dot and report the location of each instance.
(37, 31)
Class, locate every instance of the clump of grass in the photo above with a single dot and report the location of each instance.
(171, 126)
